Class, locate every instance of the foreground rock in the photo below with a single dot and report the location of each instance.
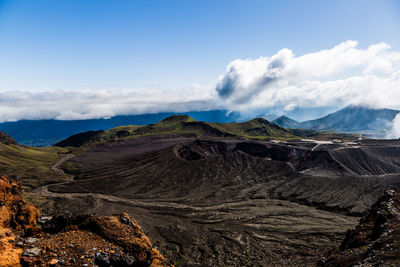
(17, 218)
(101, 240)
(67, 240)
(125, 232)
(376, 240)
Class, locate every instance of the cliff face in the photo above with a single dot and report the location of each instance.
(375, 240)
(27, 239)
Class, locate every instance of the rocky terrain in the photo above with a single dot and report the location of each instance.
(206, 194)
(16, 218)
(375, 240)
(225, 201)
(30, 240)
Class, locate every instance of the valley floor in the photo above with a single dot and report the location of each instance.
(217, 203)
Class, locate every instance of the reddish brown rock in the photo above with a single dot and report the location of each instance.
(125, 232)
(66, 238)
(15, 212)
(15, 216)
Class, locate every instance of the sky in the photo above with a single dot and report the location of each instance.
(74, 59)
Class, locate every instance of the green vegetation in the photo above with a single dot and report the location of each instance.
(31, 165)
(187, 126)
(184, 125)
(254, 129)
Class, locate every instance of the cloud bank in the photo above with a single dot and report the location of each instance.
(336, 77)
(89, 104)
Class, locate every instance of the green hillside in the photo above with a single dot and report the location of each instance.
(187, 126)
(184, 125)
(30, 164)
(255, 128)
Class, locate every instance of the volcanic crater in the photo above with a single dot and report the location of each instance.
(228, 201)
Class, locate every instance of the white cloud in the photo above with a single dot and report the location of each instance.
(395, 128)
(88, 104)
(342, 75)
(336, 77)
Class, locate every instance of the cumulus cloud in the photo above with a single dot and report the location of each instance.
(340, 76)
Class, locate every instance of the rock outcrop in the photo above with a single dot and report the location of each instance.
(17, 218)
(30, 240)
(101, 240)
(123, 231)
(6, 139)
(376, 239)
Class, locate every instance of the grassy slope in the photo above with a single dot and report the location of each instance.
(256, 128)
(31, 165)
(185, 125)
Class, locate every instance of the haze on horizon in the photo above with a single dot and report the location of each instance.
(95, 59)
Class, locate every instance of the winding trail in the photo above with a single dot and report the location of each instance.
(56, 166)
(315, 147)
(43, 190)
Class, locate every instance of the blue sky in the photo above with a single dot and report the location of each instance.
(81, 59)
(103, 44)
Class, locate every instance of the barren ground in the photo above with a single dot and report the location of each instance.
(231, 202)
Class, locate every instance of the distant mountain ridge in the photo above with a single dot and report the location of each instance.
(49, 132)
(286, 122)
(351, 119)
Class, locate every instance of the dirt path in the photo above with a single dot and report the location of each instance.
(316, 146)
(56, 166)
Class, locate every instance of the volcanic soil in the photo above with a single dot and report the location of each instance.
(214, 201)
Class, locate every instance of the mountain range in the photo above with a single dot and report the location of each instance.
(49, 132)
(287, 122)
(206, 194)
(351, 119)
